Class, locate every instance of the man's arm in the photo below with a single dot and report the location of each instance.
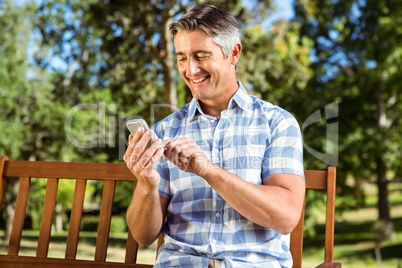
(145, 216)
(276, 204)
(147, 210)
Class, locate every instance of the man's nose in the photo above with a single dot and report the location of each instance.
(192, 67)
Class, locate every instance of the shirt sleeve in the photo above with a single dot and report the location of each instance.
(284, 153)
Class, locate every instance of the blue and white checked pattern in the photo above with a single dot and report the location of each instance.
(253, 139)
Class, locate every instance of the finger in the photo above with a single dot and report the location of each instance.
(166, 142)
(131, 144)
(153, 148)
(150, 152)
(139, 141)
(186, 149)
(184, 145)
(138, 134)
(129, 149)
(151, 164)
(179, 155)
(169, 145)
(143, 142)
(132, 140)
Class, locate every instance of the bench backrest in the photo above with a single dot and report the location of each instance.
(324, 181)
(110, 173)
(81, 173)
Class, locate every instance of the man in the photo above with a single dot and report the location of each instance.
(233, 186)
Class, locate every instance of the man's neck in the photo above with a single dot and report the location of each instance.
(216, 106)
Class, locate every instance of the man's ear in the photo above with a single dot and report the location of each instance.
(235, 54)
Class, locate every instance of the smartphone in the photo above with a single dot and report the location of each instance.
(135, 124)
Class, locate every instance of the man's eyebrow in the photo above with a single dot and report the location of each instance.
(180, 53)
(202, 51)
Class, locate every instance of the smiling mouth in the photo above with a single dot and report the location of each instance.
(196, 81)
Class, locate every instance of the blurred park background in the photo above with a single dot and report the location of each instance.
(73, 71)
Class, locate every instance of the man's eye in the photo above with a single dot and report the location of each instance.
(182, 59)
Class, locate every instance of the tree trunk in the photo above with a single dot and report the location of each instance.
(384, 206)
(168, 62)
(383, 124)
(9, 201)
(377, 251)
(59, 217)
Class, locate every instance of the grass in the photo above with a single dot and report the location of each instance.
(354, 240)
(85, 248)
(354, 246)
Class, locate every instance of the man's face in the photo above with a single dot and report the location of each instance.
(203, 66)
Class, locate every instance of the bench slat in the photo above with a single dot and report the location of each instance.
(104, 220)
(131, 249)
(49, 205)
(296, 241)
(73, 170)
(132, 245)
(75, 219)
(330, 215)
(3, 160)
(36, 262)
(19, 216)
(316, 179)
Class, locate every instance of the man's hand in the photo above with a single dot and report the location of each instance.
(147, 210)
(186, 155)
(142, 163)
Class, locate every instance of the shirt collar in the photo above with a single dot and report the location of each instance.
(240, 98)
(194, 108)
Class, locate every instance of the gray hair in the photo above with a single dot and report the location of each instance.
(218, 23)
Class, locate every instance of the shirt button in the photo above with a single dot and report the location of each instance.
(216, 150)
(217, 214)
(214, 241)
(212, 120)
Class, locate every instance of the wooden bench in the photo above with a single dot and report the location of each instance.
(110, 173)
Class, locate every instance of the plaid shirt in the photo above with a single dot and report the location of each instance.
(253, 139)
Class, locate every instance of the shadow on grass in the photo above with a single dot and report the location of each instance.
(387, 253)
(353, 234)
(88, 238)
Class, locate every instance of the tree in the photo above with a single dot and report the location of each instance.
(274, 64)
(120, 53)
(116, 58)
(19, 101)
(124, 46)
(14, 35)
(357, 58)
(32, 113)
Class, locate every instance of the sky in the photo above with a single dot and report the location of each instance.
(284, 10)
